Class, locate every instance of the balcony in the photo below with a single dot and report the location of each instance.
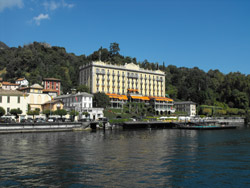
(101, 72)
(132, 75)
(159, 80)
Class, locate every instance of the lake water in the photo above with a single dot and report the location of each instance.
(141, 158)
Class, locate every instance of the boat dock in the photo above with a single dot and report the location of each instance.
(178, 125)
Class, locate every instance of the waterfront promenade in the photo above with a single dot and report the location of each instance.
(38, 127)
(71, 126)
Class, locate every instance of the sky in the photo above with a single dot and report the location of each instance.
(208, 34)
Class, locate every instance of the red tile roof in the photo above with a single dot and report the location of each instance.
(10, 84)
(20, 79)
(52, 79)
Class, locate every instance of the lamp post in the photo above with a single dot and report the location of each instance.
(50, 106)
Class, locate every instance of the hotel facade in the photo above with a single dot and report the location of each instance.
(129, 82)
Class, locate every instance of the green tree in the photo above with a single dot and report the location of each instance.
(73, 114)
(241, 112)
(114, 49)
(240, 99)
(101, 100)
(150, 110)
(83, 88)
(172, 91)
(37, 109)
(86, 114)
(60, 112)
(206, 111)
(16, 112)
(232, 111)
(47, 113)
(2, 111)
(221, 112)
(33, 113)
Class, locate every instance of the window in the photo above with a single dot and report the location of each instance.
(0, 99)
(8, 99)
(18, 99)
(8, 110)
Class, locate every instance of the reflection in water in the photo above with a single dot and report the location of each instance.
(146, 158)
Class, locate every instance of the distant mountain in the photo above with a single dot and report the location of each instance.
(3, 45)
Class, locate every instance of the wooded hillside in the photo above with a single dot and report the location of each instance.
(38, 60)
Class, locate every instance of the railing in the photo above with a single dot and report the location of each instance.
(31, 127)
(100, 72)
(118, 66)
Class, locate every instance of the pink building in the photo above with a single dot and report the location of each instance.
(51, 84)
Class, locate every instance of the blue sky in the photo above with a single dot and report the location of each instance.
(209, 34)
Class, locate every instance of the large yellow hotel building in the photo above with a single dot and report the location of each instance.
(125, 83)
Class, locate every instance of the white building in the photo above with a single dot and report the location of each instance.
(9, 86)
(22, 82)
(186, 106)
(36, 97)
(13, 99)
(81, 102)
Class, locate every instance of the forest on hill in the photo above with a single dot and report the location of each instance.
(39, 60)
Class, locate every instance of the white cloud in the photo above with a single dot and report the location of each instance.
(67, 5)
(10, 3)
(52, 5)
(40, 17)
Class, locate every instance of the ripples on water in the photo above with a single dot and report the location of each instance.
(143, 158)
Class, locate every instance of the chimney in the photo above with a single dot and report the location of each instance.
(73, 91)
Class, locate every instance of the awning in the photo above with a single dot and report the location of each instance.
(123, 97)
(133, 90)
(115, 96)
(136, 97)
(162, 99)
(145, 98)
